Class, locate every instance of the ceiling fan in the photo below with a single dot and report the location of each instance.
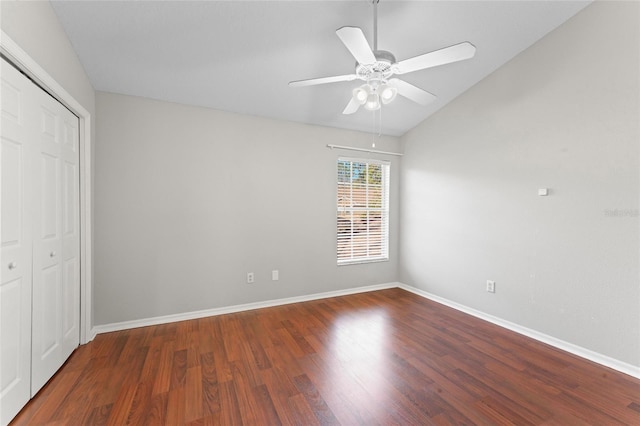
(377, 67)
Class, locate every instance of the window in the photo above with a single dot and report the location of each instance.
(363, 211)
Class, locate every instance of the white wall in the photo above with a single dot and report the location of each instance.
(563, 115)
(188, 200)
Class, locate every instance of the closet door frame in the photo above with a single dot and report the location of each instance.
(20, 59)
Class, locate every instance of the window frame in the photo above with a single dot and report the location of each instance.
(380, 237)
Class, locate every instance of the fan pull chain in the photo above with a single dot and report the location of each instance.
(373, 127)
(376, 131)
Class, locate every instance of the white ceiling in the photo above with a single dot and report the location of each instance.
(238, 56)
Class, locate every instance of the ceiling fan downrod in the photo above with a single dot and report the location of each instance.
(375, 24)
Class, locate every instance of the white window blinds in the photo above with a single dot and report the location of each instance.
(363, 211)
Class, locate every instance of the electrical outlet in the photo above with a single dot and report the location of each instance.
(250, 278)
(491, 286)
(275, 275)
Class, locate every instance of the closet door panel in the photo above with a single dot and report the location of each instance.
(49, 314)
(12, 191)
(47, 348)
(70, 298)
(15, 242)
(70, 233)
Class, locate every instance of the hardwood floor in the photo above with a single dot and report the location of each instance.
(385, 357)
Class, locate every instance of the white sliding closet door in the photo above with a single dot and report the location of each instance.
(16, 236)
(56, 285)
(40, 291)
(70, 168)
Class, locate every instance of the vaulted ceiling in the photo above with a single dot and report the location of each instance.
(239, 56)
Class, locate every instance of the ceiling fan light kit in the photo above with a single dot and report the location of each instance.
(377, 67)
(373, 95)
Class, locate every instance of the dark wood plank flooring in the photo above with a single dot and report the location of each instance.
(385, 357)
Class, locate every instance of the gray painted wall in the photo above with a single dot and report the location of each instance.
(563, 115)
(34, 26)
(188, 200)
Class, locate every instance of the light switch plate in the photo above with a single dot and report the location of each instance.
(491, 286)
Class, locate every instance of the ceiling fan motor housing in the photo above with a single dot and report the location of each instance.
(380, 70)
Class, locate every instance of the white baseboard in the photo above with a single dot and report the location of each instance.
(596, 357)
(165, 319)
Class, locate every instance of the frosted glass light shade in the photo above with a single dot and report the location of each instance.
(387, 93)
(373, 102)
(360, 94)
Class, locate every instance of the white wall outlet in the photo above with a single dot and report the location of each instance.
(250, 278)
(543, 192)
(491, 286)
(275, 275)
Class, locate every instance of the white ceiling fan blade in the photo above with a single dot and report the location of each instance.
(355, 41)
(322, 80)
(412, 92)
(447, 55)
(351, 107)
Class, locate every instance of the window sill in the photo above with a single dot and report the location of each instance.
(363, 261)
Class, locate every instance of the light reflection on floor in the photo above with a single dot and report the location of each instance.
(359, 349)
